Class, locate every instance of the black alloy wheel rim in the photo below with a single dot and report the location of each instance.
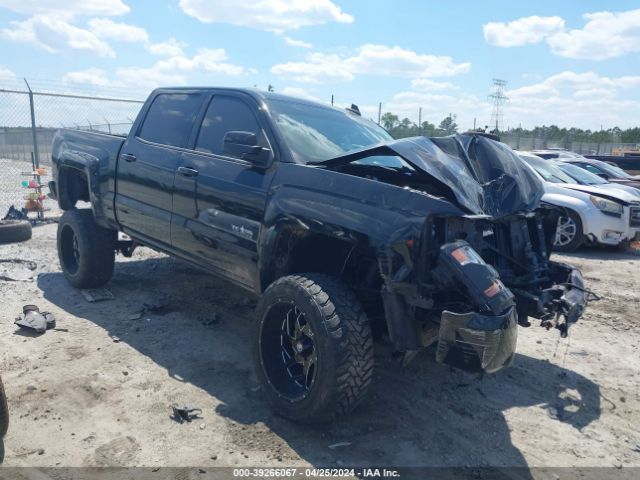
(289, 353)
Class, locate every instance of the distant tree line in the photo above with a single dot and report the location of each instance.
(407, 128)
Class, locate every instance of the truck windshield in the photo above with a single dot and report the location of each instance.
(316, 133)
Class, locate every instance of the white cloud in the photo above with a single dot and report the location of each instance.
(212, 60)
(370, 59)
(148, 78)
(171, 47)
(170, 71)
(122, 32)
(53, 34)
(66, 7)
(435, 107)
(525, 30)
(605, 35)
(569, 82)
(299, 92)
(426, 84)
(297, 43)
(317, 67)
(6, 74)
(90, 76)
(571, 99)
(272, 15)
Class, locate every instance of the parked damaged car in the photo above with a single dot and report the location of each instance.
(344, 233)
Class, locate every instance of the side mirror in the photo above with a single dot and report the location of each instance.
(603, 175)
(244, 145)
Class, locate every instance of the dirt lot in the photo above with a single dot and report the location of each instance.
(96, 391)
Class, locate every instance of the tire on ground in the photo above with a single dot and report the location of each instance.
(577, 239)
(12, 231)
(342, 341)
(4, 412)
(88, 261)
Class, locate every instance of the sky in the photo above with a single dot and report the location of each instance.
(572, 63)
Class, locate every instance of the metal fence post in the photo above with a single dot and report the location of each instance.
(36, 152)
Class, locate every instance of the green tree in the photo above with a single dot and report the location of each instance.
(448, 126)
(389, 121)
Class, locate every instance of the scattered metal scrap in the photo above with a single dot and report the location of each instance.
(185, 413)
(96, 294)
(33, 319)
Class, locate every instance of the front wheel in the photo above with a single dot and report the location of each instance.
(85, 249)
(569, 232)
(313, 347)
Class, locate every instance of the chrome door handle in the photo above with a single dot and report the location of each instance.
(188, 171)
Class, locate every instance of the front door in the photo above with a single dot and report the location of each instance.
(220, 200)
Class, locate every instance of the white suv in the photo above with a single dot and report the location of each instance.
(594, 215)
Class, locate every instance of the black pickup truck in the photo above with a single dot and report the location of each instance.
(344, 233)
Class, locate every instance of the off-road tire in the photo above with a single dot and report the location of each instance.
(91, 264)
(343, 342)
(12, 231)
(4, 412)
(577, 239)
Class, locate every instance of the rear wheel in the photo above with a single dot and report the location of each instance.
(86, 251)
(312, 347)
(569, 232)
(4, 412)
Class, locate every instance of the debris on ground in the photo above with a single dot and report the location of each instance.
(14, 214)
(333, 446)
(93, 295)
(5, 276)
(32, 319)
(148, 308)
(185, 413)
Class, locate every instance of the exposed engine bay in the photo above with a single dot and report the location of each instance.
(466, 282)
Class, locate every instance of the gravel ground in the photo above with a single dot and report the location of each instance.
(97, 390)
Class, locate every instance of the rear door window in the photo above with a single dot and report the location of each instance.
(170, 119)
(226, 114)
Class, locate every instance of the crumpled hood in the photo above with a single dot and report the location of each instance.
(485, 176)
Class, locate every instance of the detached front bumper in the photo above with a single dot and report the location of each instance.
(476, 342)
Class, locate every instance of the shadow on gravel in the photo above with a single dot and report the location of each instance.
(604, 253)
(422, 415)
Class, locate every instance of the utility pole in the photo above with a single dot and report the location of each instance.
(332, 99)
(498, 98)
(420, 121)
(379, 112)
(36, 153)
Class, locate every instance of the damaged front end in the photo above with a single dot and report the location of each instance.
(470, 281)
(465, 282)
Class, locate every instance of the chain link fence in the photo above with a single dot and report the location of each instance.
(519, 142)
(29, 120)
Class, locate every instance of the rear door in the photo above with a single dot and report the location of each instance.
(147, 165)
(220, 200)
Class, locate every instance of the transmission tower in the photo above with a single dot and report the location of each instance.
(498, 98)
